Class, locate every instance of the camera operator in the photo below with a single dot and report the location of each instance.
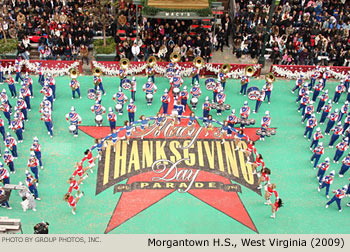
(41, 228)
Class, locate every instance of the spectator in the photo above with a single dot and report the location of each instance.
(84, 53)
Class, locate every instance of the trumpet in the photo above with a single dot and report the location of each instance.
(198, 62)
(270, 78)
(74, 73)
(97, 72)
(175, 57)
(249, 71)
(225, 68)
(124, 63)
(151, 61)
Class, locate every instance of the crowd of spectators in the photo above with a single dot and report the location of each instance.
(303, 32)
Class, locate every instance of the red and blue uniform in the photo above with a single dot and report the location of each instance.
(4, 175)
(222, 77)
(47, 91)
(341, 147)
(74, 84)
(33, 165)
(325, 111)
(317, 89)
(46, 117)
(303, 102)
(326, 182)
(11, 84)
(31, 183)
(333, 117)
(206, 109)
(259, 101)
(318, 151)
(232, 120)
(10, 142)
(323, 98)
(311, 123)
(131, 112)
(339, 89)
(322, 168)
(17, 126)
(98, 109)
(184, 97)
(195, 74)
(99, 84)
(7, 111)
(344, 110)
(24, 91)
(346, 122)
(345, 166)
(298, 84)
(316, 137)
(165, 99)
(22, 106)
(309, 110)
(196, 91)
(339, 195)
(36, 147)
(337, 131)
(220, 98)
(244, 84)
(39, 70)
(8, 159)
(18, 71)
(176, 81)
(2, 128)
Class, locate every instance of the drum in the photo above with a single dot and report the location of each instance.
(194, 102)
(210, 84)
(72, 128)
(253, 93)
(239, 120)
(149, 98)
(250, 121)
(126, 84)
(91, 94)
(119, 108)
(268, 133)
(98, 119)
(227, 106)
(220, 107)
(174, 112)
(213, 106)
(176, 91)
(263, 133)
(258, 132)
(273, 131)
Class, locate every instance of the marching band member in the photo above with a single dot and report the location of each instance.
(346, 123)
(133, 88)
(339, 195)
(4, 98)
(22, 107)
(232, 120)
(5, 108)
(33, 165)
(302, 92)
(303, 102)
(41, 74)
(317, 89)
(268, 89)
(325, 111)
(11, 143)
(2, 128)
(150, 73)
(220, 98)
(179, 108)
(309, 110)
(8, 159)
(259, 100)
(345, 166)
(318, 151)
(98, 109)
(75, 86)
(112, 118)
(316, 137)
(122, 75)
(344, 110)
(216, 90)
(32, 184)
(165, 99)
(98, 83)
(47, 92)
(131, 111)
(149, 88)
(244, 84)
(206, 107)
(222, 77)
(314, 76)
(325, 77)
(46, 117)
(73, 201)
(176, 81)
(245, 112)
(4, 175)
(341, 147)
(196, 90)
(5, 203)
(52, 84)
(16, 126)
(11, 84)
(98, 97)
(347, 81)
(333, 117)
(339, 89)
(323, 98)
(120, 98)
(195, 74)
(337, 131)
(326, 182)
(322, 168)
(74, 119)
(298, 83)
(25, 93)
(18, 114)
(18, 71)
(36, 147)
(265, 124)
(184, 96)
(29, 82)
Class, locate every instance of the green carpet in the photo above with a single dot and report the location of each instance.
(287, 154)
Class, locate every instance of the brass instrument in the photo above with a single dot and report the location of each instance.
(198, 62)
(175, 57)
(249, 71)
(74, 73)
(124, 63)
(225, 68)
(270, 78)
(151, 61)
(97, 72)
